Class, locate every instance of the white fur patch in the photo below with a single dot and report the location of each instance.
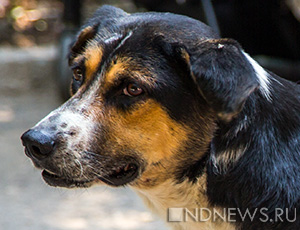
(82, 126)
(220, 46)
(228, 158)
(112, 38)
(72, 126)
(263, 77)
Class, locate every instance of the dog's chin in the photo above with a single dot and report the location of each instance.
(119, 177)
(59, 181)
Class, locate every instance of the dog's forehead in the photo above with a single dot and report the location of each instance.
(130, 47)
(134, 35)
(118, 55)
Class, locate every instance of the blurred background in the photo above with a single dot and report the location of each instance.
(34, 78)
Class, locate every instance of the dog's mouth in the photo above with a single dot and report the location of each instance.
(60, 181)
(122, 175)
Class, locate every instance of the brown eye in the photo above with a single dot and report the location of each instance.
(77, 74)
(133, 90)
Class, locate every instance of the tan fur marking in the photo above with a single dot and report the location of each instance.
(85, 33)
(132, 69)
(93, 55)
(120, 66)
(149, 129)
(184, 195)
(78, 59)
(185, 56)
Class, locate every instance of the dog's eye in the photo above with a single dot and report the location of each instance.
(133, 90)
(77, 74)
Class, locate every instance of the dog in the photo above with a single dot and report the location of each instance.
(162, 104)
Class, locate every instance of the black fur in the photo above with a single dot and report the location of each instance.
(223, 75)
(210, 86)
(267, 175)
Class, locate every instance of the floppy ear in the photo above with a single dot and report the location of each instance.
(103, 17)
(223, 74)
(84, 36)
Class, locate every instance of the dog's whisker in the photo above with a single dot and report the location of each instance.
(64, 162)
(104, 177)
(82, 174)
(97, 174)
(94, 170)
(94, 154)
(80, 165)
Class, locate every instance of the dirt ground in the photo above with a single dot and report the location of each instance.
(26, 202)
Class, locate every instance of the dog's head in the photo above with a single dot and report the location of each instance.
(147, 92)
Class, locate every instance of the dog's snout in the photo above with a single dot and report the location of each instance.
(38, 144)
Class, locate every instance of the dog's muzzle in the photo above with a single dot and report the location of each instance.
(60, 167)
(44, 147)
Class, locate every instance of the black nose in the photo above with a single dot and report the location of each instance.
(38, 144)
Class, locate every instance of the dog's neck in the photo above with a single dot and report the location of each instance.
(240, 156)
(187, 195)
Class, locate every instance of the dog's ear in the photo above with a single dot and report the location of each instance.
(103, 17)
(84, 36)
(107, 12)
(223, 74)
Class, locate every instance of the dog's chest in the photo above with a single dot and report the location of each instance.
(187, 197)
